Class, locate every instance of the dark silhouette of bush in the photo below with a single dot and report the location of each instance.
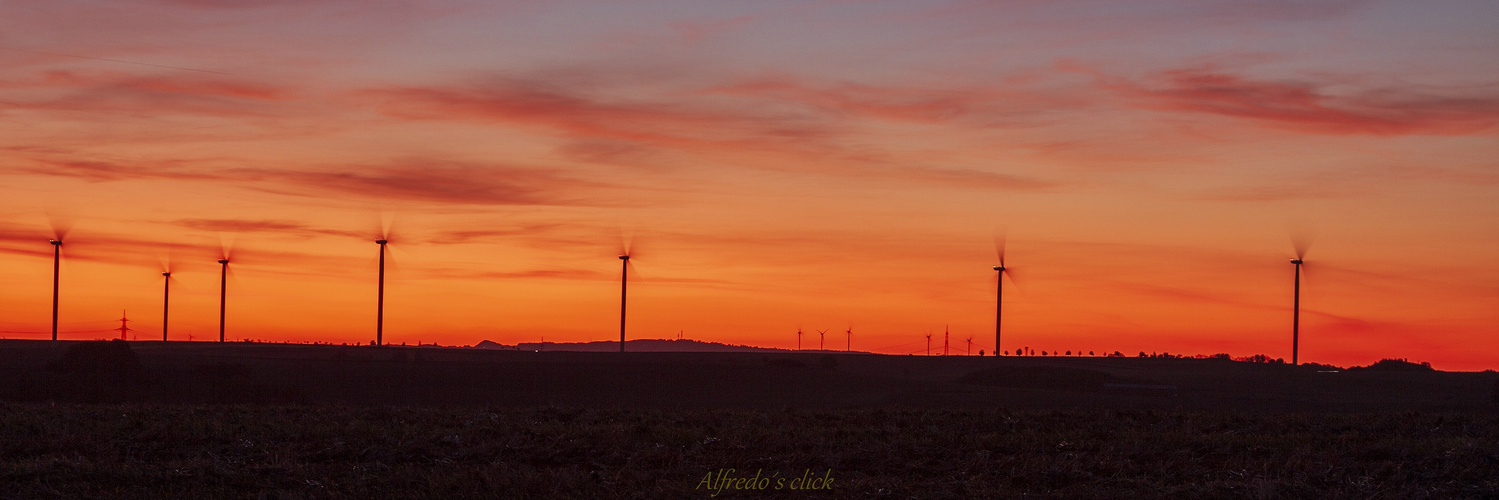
(112, 357)
(1396, 365)
(98, 372)
(827, 362)
(1072, 379)
(221, 375)
(1496, 391)
(784, 363)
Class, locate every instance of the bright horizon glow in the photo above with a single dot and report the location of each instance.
(780, 165)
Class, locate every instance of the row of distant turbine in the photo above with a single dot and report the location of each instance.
(224, 260)
(624, 256)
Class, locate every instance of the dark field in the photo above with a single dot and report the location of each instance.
(274, 421)
(166, 451)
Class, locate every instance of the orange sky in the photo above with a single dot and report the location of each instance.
(779, 165)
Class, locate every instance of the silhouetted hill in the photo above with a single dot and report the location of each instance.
(301, 374)
(642, 345)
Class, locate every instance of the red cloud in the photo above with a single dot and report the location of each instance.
(705, 123)
(157, 95)
(413, 180)
(1312, 107)
(535, 104)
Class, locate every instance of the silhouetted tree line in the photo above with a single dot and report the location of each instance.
(1396, 365)
(1261, 358)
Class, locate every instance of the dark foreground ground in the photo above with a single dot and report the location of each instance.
(205, 420)
(177, 451)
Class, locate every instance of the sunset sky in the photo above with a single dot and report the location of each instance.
(778, 165)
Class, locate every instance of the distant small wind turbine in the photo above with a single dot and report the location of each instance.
(822, 337)
(928, 344)
(798, 338)
(849, 339)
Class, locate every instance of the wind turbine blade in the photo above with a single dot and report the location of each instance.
(634, 275)
(1017, 278)
(1302, 239)
(999, 246)
(61, 225)
(226, 247)
(387, 226)
(392, 264)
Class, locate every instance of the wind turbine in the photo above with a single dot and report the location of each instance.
(928, 344)
(822, 337)
(849, 339)
(380, 300)
(999, 296)
(1302, 244)
(56, 267)
(224, 254)
(166, 296)
(798, 338)
(624, 281)
(60, 228)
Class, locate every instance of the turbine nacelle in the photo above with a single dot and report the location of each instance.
(999, 268)
(381, 241)
(1296, 261)
(624, 257)
(55, 242)
(223, 261)
(167, 274)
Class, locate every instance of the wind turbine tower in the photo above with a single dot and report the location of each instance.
(999, 295)
(166, 301)
(380, 301)
(1301, 244)
(624, 280)
(223, 289)
(56, 266)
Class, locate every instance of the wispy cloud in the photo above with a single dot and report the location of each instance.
(426, 180)
(262, 226)
(444, 182)
(111, 91)
(779, 127)
(1317, 106)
